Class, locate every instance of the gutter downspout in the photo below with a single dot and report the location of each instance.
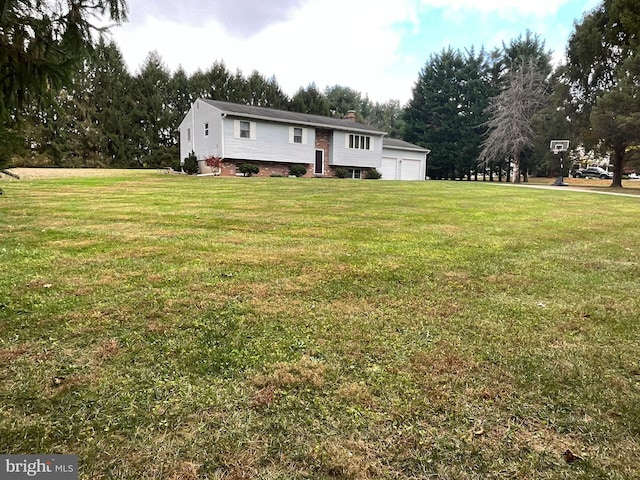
(224, 115)
(426, 158)
(193, 128)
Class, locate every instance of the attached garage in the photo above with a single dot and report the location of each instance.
(389, 168)
(403, 160)
(410, 169)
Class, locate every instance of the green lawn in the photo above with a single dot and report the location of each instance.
(175, 327)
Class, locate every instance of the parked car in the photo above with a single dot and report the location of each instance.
(593, 172)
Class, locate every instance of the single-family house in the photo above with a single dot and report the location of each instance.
(224, 135)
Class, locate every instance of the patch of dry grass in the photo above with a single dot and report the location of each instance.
(293, 328)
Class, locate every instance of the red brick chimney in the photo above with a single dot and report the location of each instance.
(351, 115)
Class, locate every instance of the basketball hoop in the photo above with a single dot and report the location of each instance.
(558, 147)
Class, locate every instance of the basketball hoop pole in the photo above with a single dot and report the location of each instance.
(560, 146)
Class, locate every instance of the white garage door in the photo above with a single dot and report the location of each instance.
(410, 170)
(388, 168)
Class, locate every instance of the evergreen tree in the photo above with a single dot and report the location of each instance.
(551, 124)
(343, 99)
(522, 51)
(153, 124)
(309, 100)
(216, 83)
(62, 127)
(446, 111)
(88, 123)
(112, 97)
(262, 92)
(182, 94)
(41, 43)
(48, 130)
(388, 117)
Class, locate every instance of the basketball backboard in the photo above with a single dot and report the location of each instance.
(558, 146)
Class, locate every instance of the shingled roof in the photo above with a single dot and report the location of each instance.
(397, 143)
(262, 113)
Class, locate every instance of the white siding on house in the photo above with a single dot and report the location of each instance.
(269, 142)
(343, 156)
(237, 129)
(204, 146)
(304, 137)
(186, 144)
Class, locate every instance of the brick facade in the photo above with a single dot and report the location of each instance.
(268, 169)
(323, 139)
(323, 142)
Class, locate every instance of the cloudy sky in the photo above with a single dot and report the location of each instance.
(377, 47)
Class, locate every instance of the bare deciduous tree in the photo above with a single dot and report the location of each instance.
(510, 129)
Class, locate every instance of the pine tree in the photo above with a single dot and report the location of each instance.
(112, 90)
(343, 99)
(446, 111)
(216, 83)
(41, 44)
(262, 92)
(309, 100)
(153, 123)
(388, 117)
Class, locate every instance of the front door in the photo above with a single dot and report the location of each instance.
(319, 164)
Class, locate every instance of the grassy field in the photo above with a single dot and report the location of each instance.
(176, 327)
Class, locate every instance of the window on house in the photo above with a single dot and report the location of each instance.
(188, 134)
(355, 173)
(206, 129)
(360, 142)
(297, 135)
(245, 129)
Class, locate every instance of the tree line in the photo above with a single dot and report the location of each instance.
(69, 100)
(106, 117)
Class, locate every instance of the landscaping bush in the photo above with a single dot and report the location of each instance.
(342, 172)
(190, 164)
(373, 174)
(175, 164)
(297, 170)
(248, 169)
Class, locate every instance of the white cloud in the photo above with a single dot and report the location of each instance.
(239, 20)
(325, 41)
(334, 42)
(374, 46)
